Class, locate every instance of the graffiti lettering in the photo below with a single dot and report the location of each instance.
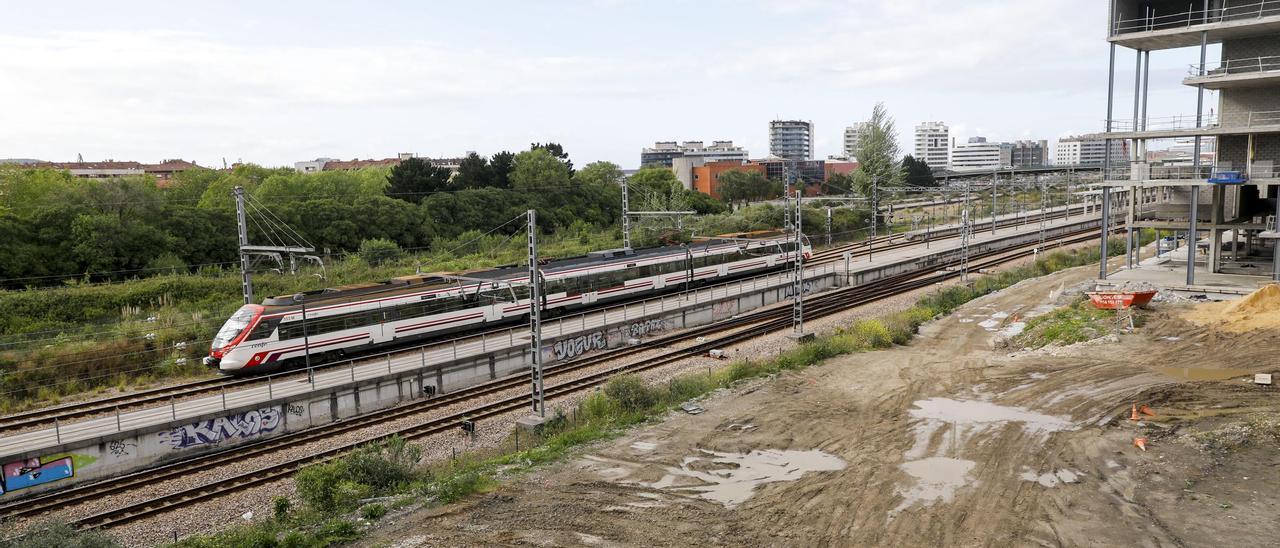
(723, 309)
(32, 472)
(120, 448)
(570, 348)
(214, 431)
(295, 410)
(640, 329)
(789, 291)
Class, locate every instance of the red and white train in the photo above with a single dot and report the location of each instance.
(344, 321)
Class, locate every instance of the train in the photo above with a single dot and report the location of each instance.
(341, 322)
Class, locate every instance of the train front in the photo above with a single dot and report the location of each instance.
(233, 332)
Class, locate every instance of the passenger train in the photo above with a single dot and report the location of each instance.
(344, 321)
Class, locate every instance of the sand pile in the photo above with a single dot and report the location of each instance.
(1257, 310)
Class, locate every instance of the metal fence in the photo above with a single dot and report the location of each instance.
(1154, 20)
(1235, 66)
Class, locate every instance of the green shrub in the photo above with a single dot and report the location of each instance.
(373, 512)
(280, 508)
(384, 465)
(379, 251)
(317, 484)
(631, 393)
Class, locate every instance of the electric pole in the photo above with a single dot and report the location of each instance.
(246, 284)
(535, 314)
(797, 291)
(626, 217)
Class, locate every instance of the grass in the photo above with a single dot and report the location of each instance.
(1076, 323)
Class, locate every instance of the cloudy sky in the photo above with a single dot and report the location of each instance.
(282, 81)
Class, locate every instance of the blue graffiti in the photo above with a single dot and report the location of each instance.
(30, 473)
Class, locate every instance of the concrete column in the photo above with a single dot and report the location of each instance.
(1215, 235)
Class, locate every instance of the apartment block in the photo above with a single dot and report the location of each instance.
(853, 140)
(791, 139)
(933, 144)
(662, 153)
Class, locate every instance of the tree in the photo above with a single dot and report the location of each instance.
(839, 183)
(415, 178)
(599, 173)
(917, 172)
(473, 172)
(538, 170)
(738, 185)
(878, 153)
(556, 150)
(500, 166)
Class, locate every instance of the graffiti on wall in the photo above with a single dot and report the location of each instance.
(789, 290)
(724, 310)
(27, 473)
(242, 426)
(572, 347)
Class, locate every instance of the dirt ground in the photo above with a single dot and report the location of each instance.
(956, 439)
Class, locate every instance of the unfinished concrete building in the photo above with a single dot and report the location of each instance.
(1228, 200)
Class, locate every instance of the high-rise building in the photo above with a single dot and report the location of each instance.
(853, 139)
(1081, 151)
(977, 154)
(1238, 188)
(1028, 153)
(791, 139)
(663, 152)
(933, 144)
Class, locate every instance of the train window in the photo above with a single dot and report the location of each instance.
(264, 329)
(356, 319)
(291, 330)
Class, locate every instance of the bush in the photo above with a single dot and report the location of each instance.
(280, 508)
(383, 466)
(373, 512)
(378, 251)
(631, 393)
(317, 484)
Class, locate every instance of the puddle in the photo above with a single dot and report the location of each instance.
(1051, 479)
(1014, 329)
(1200, 374)
(1038, 376)
(1000, 315)
(967, 412)
(1112, 464)
(731, 478)
(936, 480)
(966, 320)
(962, 419)
(989, 324)
(644, 446)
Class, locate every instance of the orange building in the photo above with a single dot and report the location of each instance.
(706, 177)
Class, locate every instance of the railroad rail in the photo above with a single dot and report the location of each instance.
(166, 394)
(757, 323)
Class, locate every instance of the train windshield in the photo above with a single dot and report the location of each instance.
(234, 326)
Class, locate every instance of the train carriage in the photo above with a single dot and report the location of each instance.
(349, 320)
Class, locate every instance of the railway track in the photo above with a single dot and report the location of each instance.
(161, 395)
(755, 324)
